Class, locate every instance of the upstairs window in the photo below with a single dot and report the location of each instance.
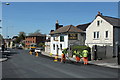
(96, 35)
(61, 38)
(98, 23)
(106, 34)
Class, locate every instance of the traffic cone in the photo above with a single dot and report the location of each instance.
(56, 59)
(36, 54)
(30, 53)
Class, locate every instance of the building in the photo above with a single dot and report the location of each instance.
(64, 37)
(47, 44)
(34, 39)
(83, 26)
(104, 32)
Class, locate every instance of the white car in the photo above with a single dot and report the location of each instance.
(38, 50)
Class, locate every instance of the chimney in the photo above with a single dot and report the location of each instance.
(100, 14)
(51, 30)
(57, 25)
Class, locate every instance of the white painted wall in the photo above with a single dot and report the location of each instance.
(47, 45)
(104, 26)
(64, 44)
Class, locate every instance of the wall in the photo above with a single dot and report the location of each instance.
(80, 41)
(47, 47)
(64, 44)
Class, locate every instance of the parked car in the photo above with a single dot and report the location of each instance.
(38, 50)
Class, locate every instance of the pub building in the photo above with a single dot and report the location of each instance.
(64, 37)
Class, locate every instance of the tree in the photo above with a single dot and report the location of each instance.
(21, 36)
(36, 33)
(1, 39)
(41, 44)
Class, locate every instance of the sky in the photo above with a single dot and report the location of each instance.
(32, 16)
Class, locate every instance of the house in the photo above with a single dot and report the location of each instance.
(47, 44)
(83, 26)
(104, 32)
(7, 42)
(64, 37)
(34, 39)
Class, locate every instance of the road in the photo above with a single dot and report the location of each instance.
(23, 65)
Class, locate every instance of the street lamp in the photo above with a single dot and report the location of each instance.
(7, 3)
(1, 11)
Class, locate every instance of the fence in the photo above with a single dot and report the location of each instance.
(102, 52)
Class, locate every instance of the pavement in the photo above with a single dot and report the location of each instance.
(110, 62)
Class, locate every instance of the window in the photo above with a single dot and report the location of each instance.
(55, 38)
(96, 35)
(61, 46)
(61, 38)
(106, 34)
(53, 46)
(98, 23)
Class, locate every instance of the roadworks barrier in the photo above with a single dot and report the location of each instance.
(36, 54)
(30, 52)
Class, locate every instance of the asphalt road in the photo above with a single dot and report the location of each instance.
(23, 65)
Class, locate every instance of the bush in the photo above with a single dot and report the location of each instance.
(80, 48)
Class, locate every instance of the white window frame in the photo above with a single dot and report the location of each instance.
(96, 34)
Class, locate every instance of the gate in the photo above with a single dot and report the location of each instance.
(102, 52)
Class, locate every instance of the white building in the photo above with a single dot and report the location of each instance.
(104, 31)
(47, 44)
(64, 37)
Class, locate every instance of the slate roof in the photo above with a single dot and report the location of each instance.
(67, 29)
(83, 26)
(113, 21)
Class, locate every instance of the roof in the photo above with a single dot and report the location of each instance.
(113, 21)
(83, 26)
(67, 29)
(36, 35)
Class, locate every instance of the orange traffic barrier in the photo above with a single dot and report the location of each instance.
(30, 52)
(36, 54)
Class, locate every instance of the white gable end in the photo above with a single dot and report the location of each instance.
(101, 26)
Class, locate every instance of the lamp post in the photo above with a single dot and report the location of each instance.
(2, 42)
(1, 15)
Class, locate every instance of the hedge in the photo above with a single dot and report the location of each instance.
(80, 48)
